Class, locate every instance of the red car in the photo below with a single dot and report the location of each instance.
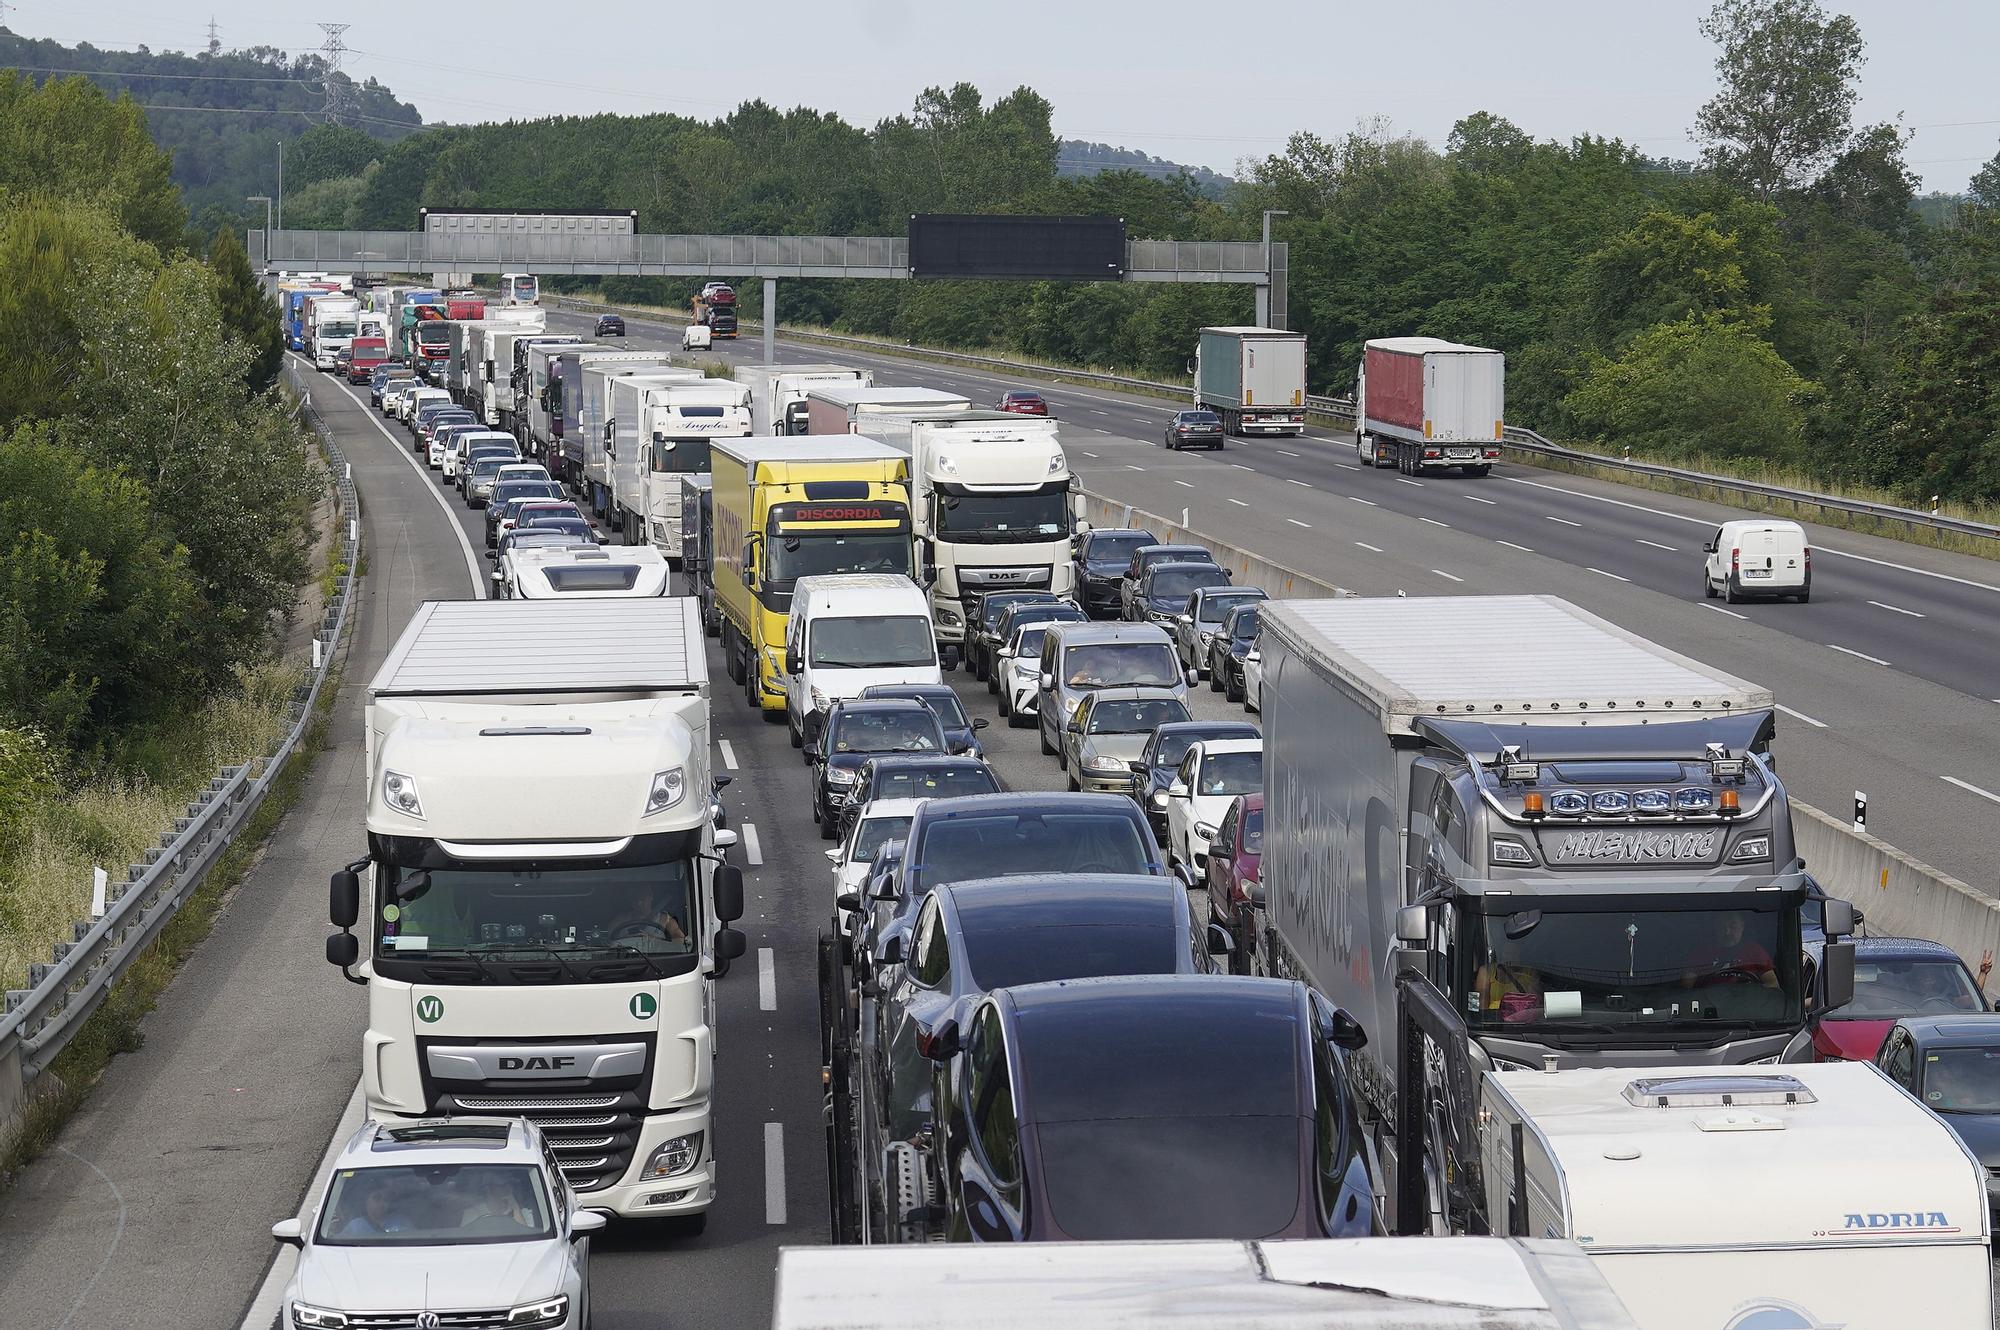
(1022, 404)
(1235, 869)
(365, 354)
(1894, 978)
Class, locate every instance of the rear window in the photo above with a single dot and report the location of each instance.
(1121, 544)
(887, 732)
(1121, 665)
(1214, 609)
(1140, 716)
(1180, 583)
(593, 577)
(934, 784)
(1007, 957)
(1004, 844)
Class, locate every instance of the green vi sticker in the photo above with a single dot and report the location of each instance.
(642, 1006)
(430, 1010)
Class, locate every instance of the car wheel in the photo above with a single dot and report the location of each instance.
(1006, 707)
(1073, 786)
(1015, 720)
(1729, 592)
(1804, 596)
(1215, 681)
(1042, 734)
(1232, 689)
(1707, 587)
(826, 828)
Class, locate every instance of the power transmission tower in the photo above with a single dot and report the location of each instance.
(214, 37)
(331, 52)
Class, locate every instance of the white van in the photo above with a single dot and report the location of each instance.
(848, 631)
(696, 337)
(1757, 556)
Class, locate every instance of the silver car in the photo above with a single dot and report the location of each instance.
(1080, 658)
(443, 1221)
(1106, 740)
(1194, 630)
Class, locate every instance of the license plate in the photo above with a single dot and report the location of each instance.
(1462, 454)
(1756, 572)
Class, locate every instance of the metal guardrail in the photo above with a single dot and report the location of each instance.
(41, 1019)
(1341, 409)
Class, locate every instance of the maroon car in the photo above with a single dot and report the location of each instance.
(1235, 872)
(1894, 978)
(1022, 404)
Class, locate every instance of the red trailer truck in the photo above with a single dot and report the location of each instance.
(1424, 404)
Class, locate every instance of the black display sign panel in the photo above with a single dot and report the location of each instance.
(1062, 249)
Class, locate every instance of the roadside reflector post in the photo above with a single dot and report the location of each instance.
(318, 648)
(1860, 811)
(100, 883)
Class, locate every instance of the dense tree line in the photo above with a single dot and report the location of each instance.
(153, 491)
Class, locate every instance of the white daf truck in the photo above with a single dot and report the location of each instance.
(545, 909)
(659, 434)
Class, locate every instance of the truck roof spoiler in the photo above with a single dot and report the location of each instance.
(1622, 736)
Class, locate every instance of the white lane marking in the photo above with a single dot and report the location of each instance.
(1296, 522)
(1613, 576)
(1086, 452)
(1599, 498)
(1564, 520)
(1476, 499)
(1347, 466)
(1405, 480)
(1884, 605)
(728, 753)
(1434, 522)
(753, 850)
(423, 473)
(1300, 483)
(111, 1248)
(1130, 467)
(1904, 568)
(1239, 503)
(1968, 785)
(1719, 610)
(1671, 549)
(1850, 651)
(1370, 502)
(1448, 576)
(1366, 546)
(774, 1172)
(1185, 484)
(1800, 715)
(1285, 452)
(767, 980)
(1512, 546)
(264, 1308)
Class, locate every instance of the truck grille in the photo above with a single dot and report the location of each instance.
(485, 1104)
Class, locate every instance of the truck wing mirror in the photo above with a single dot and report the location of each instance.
(1837, 975)
(1839, 918)
(343, 899)
(1413, 926)
(725, 839)
(727, 888)
(793, 663)
(730, 944)
(342, 949)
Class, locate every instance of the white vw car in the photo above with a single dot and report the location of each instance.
(1210, 777)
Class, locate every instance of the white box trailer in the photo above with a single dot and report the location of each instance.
(1816, 1194)
(1425, 404)
(778, 393)
(1322, 1284)
(661, 433)
(586, 461)
(878, 413)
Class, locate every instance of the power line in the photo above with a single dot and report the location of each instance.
(135, 74)
(274, 110)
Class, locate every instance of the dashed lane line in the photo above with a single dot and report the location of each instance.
(1449, 577)
(1564, 520)
(1897, 609)
(1671, 549)
(728, 753)
(1405, 480)
(1474, 498)
(1512, 546)
(1366, 546)
(1613, 576)
(753, 849)
(1296, 522)
(1968, 785)
(1432, 521)
(1862, 655)
(1719, 610)
(774, 1173)
(1370, 502)
(767, 980)
(1239, 503)
(1185, 484)
(1300, 483)
(1800, 715)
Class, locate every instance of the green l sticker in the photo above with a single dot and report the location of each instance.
(642, 1006)
(430, 1010)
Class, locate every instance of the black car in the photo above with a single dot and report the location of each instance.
(1227, 649)
(1190, 429)
(501, 504)
(913, 776)
(1145, 557)
(1162, 595)
(1101, 558)
(1952, 1064)
(981, 641)
(610, 325)
(1148, 1107)
(959, 736)
(855, 731)
(1163, 755)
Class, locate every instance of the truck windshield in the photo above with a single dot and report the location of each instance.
(546, 924)
(337, 328)
(681, 457)
(1002, 519)
(794, 556)
(1615, 971)
(873, 642)
(433, 334)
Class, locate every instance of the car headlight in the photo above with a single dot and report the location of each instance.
(820, 701)
(1159, 798)
(553, 1311)
(674, 1157)
(400, 793)
(1109, 764)
(317, 1318)
(1024, 668)
(669, 787)
(840, 776)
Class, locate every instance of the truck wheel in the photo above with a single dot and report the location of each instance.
(1479, 472)
(687, 1226)
(792, 731)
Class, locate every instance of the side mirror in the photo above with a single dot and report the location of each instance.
(1191, 677)
(1255, 891)
(793, 663)
(979, 722)
(848, 901)
(1836, 969)
(1205, 830)
(892, 951)
(1047, 681)
(833, 856)
(343, 899)
(942, 1043)
(1346, 1032)
(727, 888)
(1075, 725)
(730, 945)
(1183, 618)
(1256, 657)
(342, 949)
(586, 1222)
(887, 890)
(1219, 941)
(1839, 918)
(1177, 790)
(1413, 926)
(725, 839)
(717, 782)
(290, 1232)
(498, 577)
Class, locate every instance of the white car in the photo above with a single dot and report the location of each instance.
(414, 401)
(696, 337)
(393, 394)
(1757, 557)
(520, 471)
(443, 1221)
(485, 442)
(879, 823)
(1211, 775)
(1253, 681)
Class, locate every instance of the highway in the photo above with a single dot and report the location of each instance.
(1889, 678)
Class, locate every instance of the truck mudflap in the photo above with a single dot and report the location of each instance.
(1437, 1188)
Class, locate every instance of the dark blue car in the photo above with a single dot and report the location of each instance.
(1101, 560)
(943, 701)
(1952, 1064)
(855, 731)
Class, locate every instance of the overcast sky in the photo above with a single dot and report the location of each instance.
(1207, 84)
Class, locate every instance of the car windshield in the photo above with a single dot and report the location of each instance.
(435, 1204)
(794, 556)
(1962, 1080)
(933, 782)
(1253, 831)
(1136, 716)
(873, 834)
(873, 642)
(1891, 989)
(1214, 609)
(1231, 773)
(1007, 957)
(1004, 844)
(1029, 644)
(1121, 665)
(1196, 1134)
(991, 608)
(1115, 548)
(1177, 584)
(1243, 627)
(896, 731)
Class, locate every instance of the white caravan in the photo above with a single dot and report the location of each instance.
(587, 572)
(879, 413)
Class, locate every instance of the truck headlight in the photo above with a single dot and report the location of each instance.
(1107, 764)
(669, 787)
(1751, 849)
(553, 1311)
(674, 1157)
(317, 1318)
(1057, 462)
(400, 793)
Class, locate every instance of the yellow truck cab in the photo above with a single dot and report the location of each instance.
(787, 508)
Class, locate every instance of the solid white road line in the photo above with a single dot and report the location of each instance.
(767, 980)
(1366, 546)
(1476, 499)
(1512, 546)
(1370, 502)
(269, 1302)
(774, 1172)
(1447, 576)
(728, 753)
(1905, 568)
(1564, 520)
(1434, 522)
(1898, 609)
(753, 850)
(1296, 522)
(1968, 785)
(1800, 715)
(1719, 610)
(1671, 549)
(1613, 576)
(1850, 651)
(402, 450)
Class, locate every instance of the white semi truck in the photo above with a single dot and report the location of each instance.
(778, 393)
(545, 910)
(335, 320)
(518, 400)
(586, 460)
(991, 512)
(1254, 378)
(1425, 404)
(660, 433)
(1500, 830)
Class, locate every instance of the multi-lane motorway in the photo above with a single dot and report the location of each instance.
(154, 1204)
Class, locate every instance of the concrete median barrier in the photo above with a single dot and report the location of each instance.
(1901, 896)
